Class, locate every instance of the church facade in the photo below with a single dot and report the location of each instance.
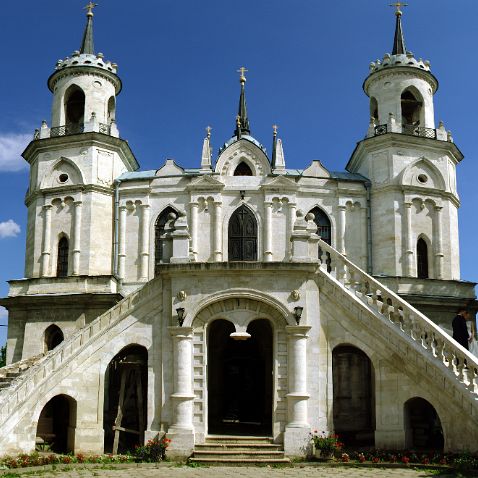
(239, 298)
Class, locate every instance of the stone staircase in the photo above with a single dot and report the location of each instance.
(236, 450)
(9, 373)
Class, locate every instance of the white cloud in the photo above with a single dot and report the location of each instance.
(11, 148)
(9, 229)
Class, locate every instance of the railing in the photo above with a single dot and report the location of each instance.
(408, 321)
(408, 129)
(20, 390)
(66, 130)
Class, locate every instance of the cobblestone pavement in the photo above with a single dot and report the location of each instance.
(232, 472)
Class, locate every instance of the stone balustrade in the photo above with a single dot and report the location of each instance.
(408, 321)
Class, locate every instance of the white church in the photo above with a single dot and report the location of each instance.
(239, 302)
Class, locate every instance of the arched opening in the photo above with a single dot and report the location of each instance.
(423, 430)
(162, 246)
(422, 259)
(242, 235)
(125, 400)
(74, 109)
(354, 419)
(111, 109)
(56, 425)
(374, 109)
(53, 337)
(411, 109)
(240, 380)
(324, 230)
(62, 257)
(243, 169)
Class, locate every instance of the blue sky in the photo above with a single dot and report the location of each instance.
(307, 60)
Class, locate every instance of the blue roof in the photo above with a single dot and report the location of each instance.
(247, 137)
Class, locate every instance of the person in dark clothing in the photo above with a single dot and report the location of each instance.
(460, 331)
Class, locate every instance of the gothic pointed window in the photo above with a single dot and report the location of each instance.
(62, 258)
(324, 230)
(422, 259)
(161, 252)
(74, 109)
(243, 169)
(411, 109)
(243, 235)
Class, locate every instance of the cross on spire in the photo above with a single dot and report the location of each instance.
(242, 70)
(208, 131)
(398, 5)
(274, 129)
(90, 7)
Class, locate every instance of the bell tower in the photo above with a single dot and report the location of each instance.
(411, 166)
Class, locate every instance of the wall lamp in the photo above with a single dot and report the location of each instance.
(298, 314)
(242, 193)
(180, 312)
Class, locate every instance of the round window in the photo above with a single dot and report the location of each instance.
(422, 178)
(63, 178)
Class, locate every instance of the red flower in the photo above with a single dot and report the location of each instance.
(405, 460)
(375, 459)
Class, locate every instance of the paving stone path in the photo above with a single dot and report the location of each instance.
(233, 472)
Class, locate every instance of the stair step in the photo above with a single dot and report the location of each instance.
(238, 453)
(216, 439)
(235, 461)
(266, 447)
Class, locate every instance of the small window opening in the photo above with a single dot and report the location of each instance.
(62, 261)
(422, 178)
(374, 109)
(53, 337)
(243, 170)
(75, 107)
(111, 110)
(411, 109)
(422, 259)
(63, 178)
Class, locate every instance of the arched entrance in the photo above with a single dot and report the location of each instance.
(354, 406)
(56, 425)
(124, 410)
(423, 430)
(240, 380)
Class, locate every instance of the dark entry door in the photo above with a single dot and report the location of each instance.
(243, 235)
(240, 380)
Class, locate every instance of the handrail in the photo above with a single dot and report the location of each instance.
(434, 341)
(22, 387)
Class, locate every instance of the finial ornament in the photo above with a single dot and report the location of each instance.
(274, 129)
(238, 121)
(90, 7)
(208, 131)
(398, 5)
(242, 70)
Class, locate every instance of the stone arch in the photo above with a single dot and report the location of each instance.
(412, 107)
(353, 381)
(423, 427)
(52, 337)
(54, 177)
(162, 251)
(74, 106)
(422, 173)
(56, 423)
(111, 116)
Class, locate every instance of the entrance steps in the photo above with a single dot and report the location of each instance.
(236, 450)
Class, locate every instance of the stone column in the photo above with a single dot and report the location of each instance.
(122, 242)
(408, 240)
(217, 231)
(144, 272)
(194, 228)
(296, 436)
(438, 243)
(77, 238)
(291, 220)
(268, 232)
(181, 430)
(363, 220)
(46, 249)
(341, 230)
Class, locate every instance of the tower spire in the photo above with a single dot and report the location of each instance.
(399, 41)
(87, 45)
(242, 121)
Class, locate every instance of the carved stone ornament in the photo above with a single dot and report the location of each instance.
(181, 295)
(295, 295)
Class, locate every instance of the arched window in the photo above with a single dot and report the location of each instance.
(411, 109)
(324, 230)
(242, 235)
(62, 258)
(374, 109)
(53, 337)
(422, 259)
(423, 430)
(111, 109)
(74, 108)
(162, 254)
(243, 169)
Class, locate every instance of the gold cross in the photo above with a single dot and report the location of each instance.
(238, 121)
(90, 7)
(242, 70)
(274, 129)
(208, 131)
(397, 5)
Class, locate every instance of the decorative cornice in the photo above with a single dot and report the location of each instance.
(401, 71)
(84, 71)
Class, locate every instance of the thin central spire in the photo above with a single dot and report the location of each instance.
(87, 44)
(399, 41)
(242, 121)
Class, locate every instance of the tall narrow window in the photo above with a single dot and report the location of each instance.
(324, 230)
(243, 170)
(62, 259)
(422, 259)
(161, 253)
(243, 235)
(411, 109)
(374, 109)
(74, 109)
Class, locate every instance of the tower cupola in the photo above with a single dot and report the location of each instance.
(84, 87)
(400, 86)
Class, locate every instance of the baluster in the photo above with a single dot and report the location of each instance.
(458, 366)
